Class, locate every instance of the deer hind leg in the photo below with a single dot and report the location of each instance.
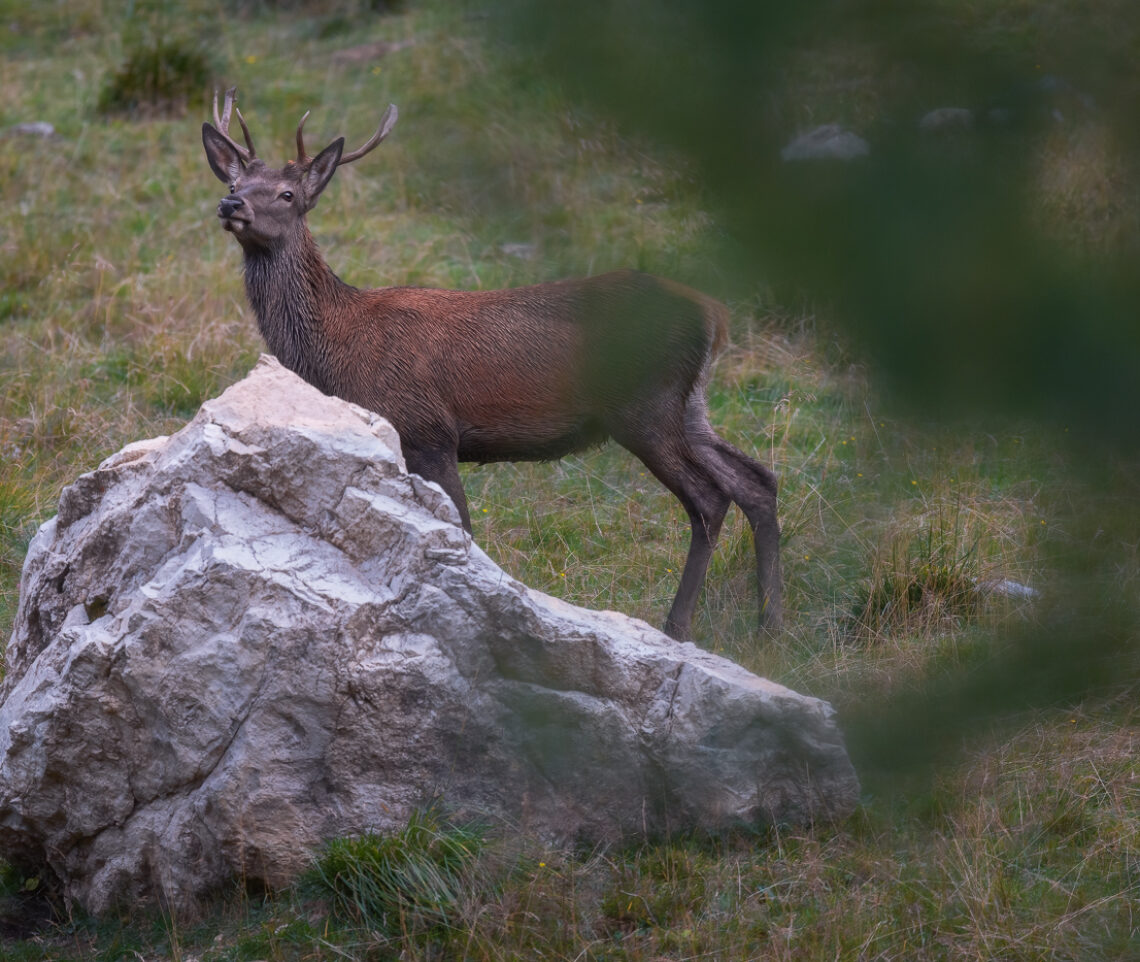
(676, 467)
(440, 465)
(753, 487)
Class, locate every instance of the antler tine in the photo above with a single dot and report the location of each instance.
(387, 122)
(222, 124)
(245, 132)
(301, 155)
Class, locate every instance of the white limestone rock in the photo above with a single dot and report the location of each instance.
(261, 633)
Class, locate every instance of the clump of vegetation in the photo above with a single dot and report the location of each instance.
(341, 10)
(163, 70)
(157, 79)
(925, 580)
(411, 881)
(26, 902)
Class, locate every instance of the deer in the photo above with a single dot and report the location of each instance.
(522, 374)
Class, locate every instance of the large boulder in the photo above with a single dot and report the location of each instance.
(262, 632)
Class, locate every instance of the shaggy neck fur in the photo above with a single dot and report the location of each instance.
(292, 292)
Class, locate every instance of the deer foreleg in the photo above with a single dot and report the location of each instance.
(440, 465)
(705, 525)
(705, 503)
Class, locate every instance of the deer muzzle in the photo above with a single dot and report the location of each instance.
(228, 208)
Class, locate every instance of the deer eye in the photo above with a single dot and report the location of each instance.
(233, 187)
(286, 195)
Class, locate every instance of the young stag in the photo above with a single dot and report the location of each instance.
(527, 374)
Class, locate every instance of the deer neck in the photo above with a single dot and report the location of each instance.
(293, 292)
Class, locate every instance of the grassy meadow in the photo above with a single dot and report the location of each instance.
(122, 310)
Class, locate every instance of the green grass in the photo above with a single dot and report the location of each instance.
(409, 883)
(121, 309)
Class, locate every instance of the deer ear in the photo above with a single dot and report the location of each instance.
(321, 169)
(225, 162)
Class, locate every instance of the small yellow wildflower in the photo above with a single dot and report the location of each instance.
(252, 58)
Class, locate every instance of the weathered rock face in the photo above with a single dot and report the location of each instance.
(261, 633)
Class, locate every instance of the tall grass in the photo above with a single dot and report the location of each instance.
(406, 883)
(121, 310)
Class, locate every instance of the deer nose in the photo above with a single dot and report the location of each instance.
(227, 206)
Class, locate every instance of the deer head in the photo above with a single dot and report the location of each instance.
(266, 206)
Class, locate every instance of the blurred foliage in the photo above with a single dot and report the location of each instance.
(933, 253)
(949, 259)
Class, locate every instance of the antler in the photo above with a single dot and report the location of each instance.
(301, 155)
(387, 122)
(222, 124)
